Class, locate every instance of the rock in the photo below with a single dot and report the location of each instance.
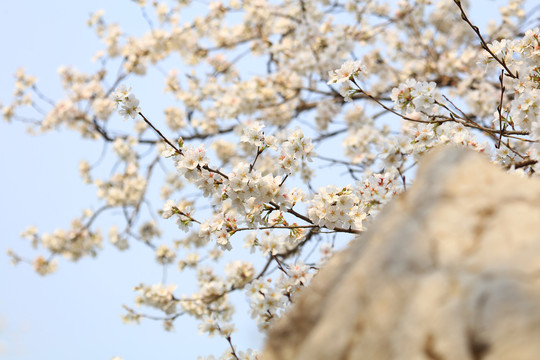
(449, 270)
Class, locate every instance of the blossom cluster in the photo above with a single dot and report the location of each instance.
(268, 301)
(416, 96)
(334, 207)
(129, 104)
(122, 188)
(73, 244)
(348, 71)
(158, 296)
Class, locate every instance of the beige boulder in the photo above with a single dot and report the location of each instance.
(448, 270)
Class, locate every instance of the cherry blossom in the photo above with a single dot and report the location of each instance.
(286, 131)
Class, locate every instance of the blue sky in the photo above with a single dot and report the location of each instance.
(75, 313)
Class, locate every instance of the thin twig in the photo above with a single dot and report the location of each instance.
(499, 109)
(178, 151)
(482, 41)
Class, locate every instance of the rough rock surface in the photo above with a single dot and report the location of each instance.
(450, 270)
